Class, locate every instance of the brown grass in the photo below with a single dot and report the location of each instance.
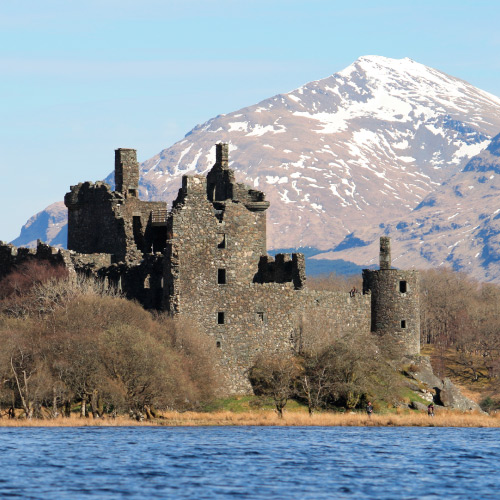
(73, 421)
(268, 418)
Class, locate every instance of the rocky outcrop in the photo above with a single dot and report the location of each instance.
(443, 391)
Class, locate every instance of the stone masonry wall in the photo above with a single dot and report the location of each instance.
(103, 221)
(213, 268)
(395, 306)
(11, 257)
(256, 304)
(206, 242)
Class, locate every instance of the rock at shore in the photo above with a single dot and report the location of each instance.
(445, 392)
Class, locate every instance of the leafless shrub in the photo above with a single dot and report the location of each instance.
(77, 342)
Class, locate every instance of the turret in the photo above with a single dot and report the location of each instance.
(395, 306)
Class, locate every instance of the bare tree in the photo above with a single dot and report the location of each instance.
(274, 376)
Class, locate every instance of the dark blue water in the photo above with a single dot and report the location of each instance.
(249, 462)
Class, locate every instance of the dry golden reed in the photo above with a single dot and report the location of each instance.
(268, 418)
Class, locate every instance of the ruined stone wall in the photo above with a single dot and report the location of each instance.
(139, 233)
(94, 221)
(142, 281)
(395, 306)
(207, 243)
(256, 305)
(12, 257)
(103, 221)
(265, 318)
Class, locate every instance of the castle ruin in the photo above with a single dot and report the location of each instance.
(206, 260)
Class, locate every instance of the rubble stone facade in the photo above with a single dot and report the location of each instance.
(395, 302)
(205, 260)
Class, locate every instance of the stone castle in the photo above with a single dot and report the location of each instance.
(206, 260)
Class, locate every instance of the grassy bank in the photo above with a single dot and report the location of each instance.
(269, 418)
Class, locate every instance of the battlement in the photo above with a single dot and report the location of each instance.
(11, 256)
(284, 268)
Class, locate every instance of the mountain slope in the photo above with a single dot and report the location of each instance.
(357, 148)
(458, 225)
(49, 225)
(344, 154)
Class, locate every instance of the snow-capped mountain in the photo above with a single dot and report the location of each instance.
(344, 154)
(355, 149)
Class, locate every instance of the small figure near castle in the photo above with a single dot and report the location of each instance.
(430, 410)
(369, 409)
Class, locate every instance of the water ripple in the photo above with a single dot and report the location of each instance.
(250, 462)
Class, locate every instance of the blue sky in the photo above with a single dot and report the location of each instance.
(79, 79)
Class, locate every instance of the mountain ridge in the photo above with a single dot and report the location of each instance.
(358, 149)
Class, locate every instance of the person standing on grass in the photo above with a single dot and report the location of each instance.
(430, 410)
(369, 409)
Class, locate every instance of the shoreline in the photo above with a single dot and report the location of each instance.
(270, 418)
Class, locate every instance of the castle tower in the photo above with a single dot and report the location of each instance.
(126, 172)
(395, 308)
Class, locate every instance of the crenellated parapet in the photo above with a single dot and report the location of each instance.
(284, 268)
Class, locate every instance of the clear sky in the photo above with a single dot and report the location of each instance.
(79, 79)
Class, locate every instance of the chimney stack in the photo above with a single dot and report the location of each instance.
(222, 154)
(385, 252)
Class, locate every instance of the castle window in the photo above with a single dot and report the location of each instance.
(220, 318)
(221, 241)
(403, 288)
(218, 344)
(221, 276)
(403, 323)
(147, 281)
(260, 317)
(132, 192)
(219, 214)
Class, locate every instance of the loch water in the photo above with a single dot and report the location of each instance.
(249, 462)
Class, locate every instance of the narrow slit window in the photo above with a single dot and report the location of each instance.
(221, 241)
(403, 288)
(403, 323)
(218, 344)
(220, 318)
(221, 276)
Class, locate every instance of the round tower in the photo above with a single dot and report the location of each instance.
(395, 302)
